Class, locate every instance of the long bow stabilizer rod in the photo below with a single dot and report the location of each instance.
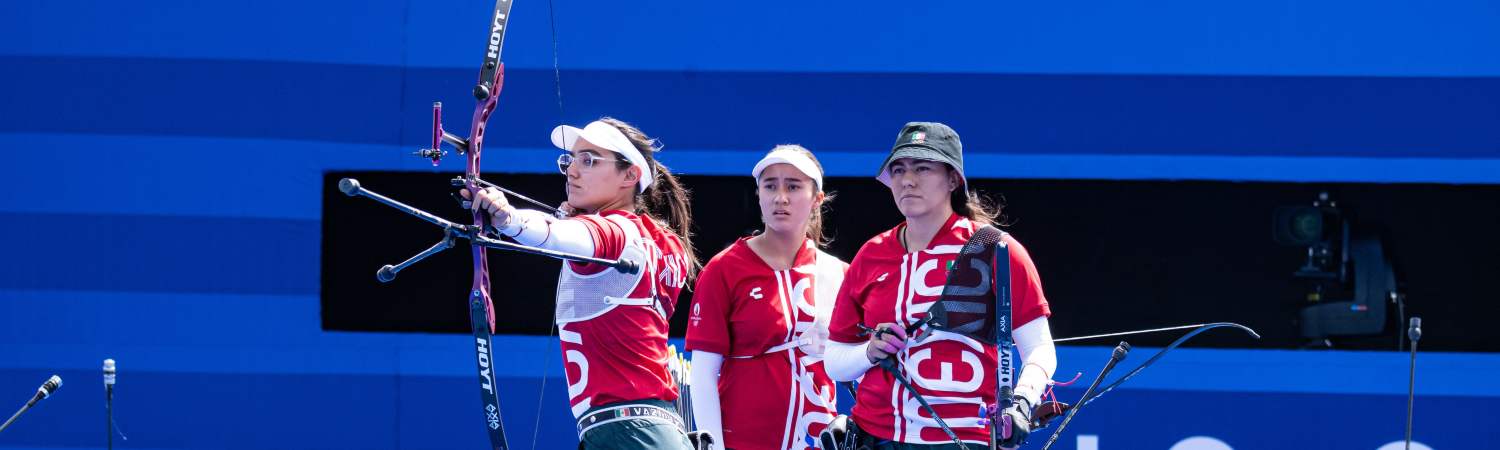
(453, 231)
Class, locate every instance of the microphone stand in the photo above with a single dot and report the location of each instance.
(1415, 333)
(15, 416)
(109, 403)
(41, 393)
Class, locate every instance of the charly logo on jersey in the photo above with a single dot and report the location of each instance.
(755, 294)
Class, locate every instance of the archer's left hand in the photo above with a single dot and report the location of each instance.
(493, 202)
(1014, 424)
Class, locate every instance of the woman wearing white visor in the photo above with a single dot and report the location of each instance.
(760, 314)
(613, 325)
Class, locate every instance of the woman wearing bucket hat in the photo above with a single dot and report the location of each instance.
(896, 277)
(760, 316)
(613, 325)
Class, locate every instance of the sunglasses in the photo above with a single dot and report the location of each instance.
(588, 159)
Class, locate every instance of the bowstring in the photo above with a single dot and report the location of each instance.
(561, 117)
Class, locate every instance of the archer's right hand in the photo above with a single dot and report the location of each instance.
(885, 340)
(566, 210)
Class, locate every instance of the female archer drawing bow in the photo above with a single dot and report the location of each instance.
(610, 254)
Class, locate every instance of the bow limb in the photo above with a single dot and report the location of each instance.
(1127, 333)
(1162, 353)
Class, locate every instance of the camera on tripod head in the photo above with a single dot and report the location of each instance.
(1351, 278)
(1320, 228)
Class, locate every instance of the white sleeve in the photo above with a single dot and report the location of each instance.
(704, 386)
(1038, 358)
(539, 229)
(846, 362)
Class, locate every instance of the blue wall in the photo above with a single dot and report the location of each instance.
(160, 191)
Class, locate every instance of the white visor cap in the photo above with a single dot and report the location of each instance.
(797, 159)
(608, 137)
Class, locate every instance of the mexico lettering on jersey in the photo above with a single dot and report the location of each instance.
(955, 373)
(772, 391)
(613, 326)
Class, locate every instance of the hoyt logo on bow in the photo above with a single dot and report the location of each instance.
(497, 32)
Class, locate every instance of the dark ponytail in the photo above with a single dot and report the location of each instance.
(976, 207)
(666, 197)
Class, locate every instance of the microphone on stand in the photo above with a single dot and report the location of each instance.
(46, 390)
(41, 393)
(109, 400)
(1414, 332)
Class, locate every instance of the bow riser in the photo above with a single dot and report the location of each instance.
(475, 146)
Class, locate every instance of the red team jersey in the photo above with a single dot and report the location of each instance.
(772, 394)
(619, 352)
(955, 373)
